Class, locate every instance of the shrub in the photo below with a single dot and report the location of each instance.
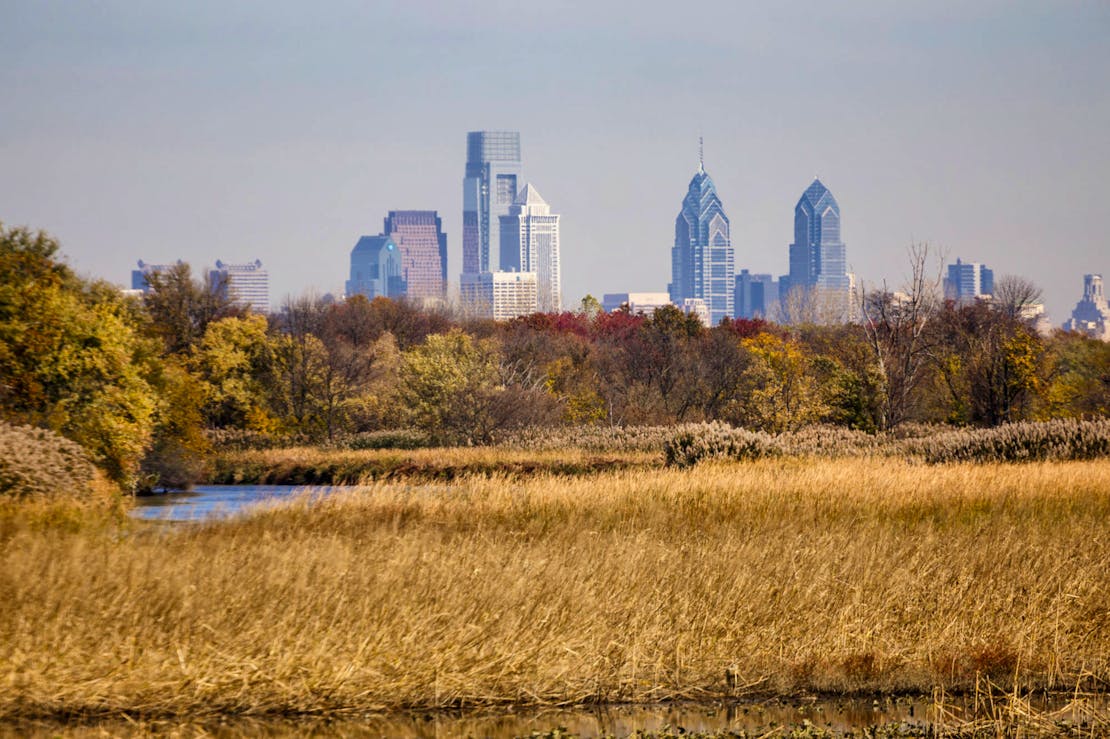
(36, 463)
(589, 438)
(693, 443)
(832, 441)
(1059, 440)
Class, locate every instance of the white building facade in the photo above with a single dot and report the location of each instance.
(499, 295)
(530, 243)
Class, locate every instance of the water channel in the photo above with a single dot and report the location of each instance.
(208, 502)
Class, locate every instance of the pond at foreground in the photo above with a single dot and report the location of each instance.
(880, 717)
(209, 502)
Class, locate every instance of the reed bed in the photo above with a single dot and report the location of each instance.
(321, 466)
(773, 577)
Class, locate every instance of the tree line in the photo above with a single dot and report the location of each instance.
(140, 383)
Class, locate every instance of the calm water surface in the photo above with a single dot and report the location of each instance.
(207, 502)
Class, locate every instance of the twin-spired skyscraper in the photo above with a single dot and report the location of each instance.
(702, 260)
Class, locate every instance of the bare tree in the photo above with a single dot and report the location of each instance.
(895, 324)
(1015, 296)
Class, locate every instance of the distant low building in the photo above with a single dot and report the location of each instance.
(245, 285)
(499, 295)
(139, 276)
(1092, 314)
(644, 303)
(697, 307)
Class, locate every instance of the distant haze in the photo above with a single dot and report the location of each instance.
(280, 131)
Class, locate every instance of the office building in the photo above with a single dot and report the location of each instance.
(499, 295)
(376, 268)
(1092, 314)
(530, 243)
(491, 184)
(755, 295)
(245, 285)
(419, 238)
(702, 263)
(818, 257)
(967, 282)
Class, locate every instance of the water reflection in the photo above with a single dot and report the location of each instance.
(896, 717)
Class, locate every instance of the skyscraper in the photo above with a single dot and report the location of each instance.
(493, 174)
(422, 245)
(702, 262)
(530, 243)
(376, 269)
(967, 281)
(246, 285)
(818, 258)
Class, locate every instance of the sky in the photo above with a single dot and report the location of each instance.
(285, 130)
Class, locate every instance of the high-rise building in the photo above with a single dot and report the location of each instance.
(818, 258)
(968, 281)
(492, 181)
(530, 243)
(702, 262)
(376, 268)
(499, 295)
(419, 238)
(1092, 314)
(245, 285)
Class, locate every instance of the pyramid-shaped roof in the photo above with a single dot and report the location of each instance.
(529, 195)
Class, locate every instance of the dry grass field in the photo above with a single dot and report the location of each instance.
(727, 579)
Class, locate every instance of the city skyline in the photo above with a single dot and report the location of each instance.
(979, 130)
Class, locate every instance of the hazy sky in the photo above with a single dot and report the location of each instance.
(283, 131)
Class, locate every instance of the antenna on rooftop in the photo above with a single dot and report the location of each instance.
(701, 154)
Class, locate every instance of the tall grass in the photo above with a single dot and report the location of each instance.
(727, 579)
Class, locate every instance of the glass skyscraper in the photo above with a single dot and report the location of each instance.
(493, 177)
(818, 258)
(702, 261)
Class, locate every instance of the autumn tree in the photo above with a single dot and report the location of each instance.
(72, 358)
(180, 306)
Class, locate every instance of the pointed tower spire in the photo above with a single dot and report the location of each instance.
(701, 154)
